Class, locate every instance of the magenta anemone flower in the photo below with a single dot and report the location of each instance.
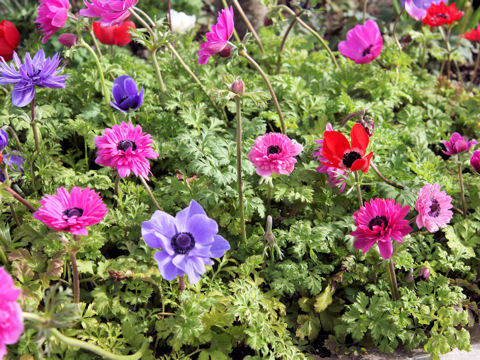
(417, 9)
(274, 152)
(475, 161)
(379, 222)
(110, 12)
(364, 43)
(126, 148)
(217, 39)
(11, 319)
(188, 241)
(68, 39)
(39, 71)
(457, 144)
(52, 15)
(336, 177)
(71, 212)
(433, 208)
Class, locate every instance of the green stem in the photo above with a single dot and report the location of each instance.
(149, 19)
(395, 27)
(157, 71)
(381, 176)
(359, 191)
(424, 56)
(3, 257)
(314, 33)
(243, 53)
(19, 198)
(235, 34)
(462, 189)
(249, 25)
(94, 39)
(282, 45)
(86, 150)
(269, 198)
(15, 136)
(393, 280)
(239, 168)
(76, 280)
(34, 126)
(144, 182)
(477, 63)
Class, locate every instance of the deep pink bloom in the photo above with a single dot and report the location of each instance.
(336, 177)
(364, 43)
(217, 39)
(71, 212)
(457, 144)
(433, 208)
(11, 319)
(274, 152)
(126, 148)
(110, 12)
(52, 15)
(378, 222)
(475, 161)
(68, 39)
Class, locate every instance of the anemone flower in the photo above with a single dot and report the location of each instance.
(125, 94)
(71, 212)
(417, 9)
(378, 222)
(13, 163)
(39, 71)
(274, 152)
(457, 144)
(433, 208)
(475, 161)
(188, 241)
(217, 39)
(364, 43)
(473, 34)
(52, 15)
(110, 12)
(441, 14)
(127, 149)
(9, 39)
(3, 140)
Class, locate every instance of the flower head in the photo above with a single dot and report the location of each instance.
(9, 39)
(238, 87)
(379, 222)
(39, 71)
(425, 273)
(11, 324)
(274, 152)
(418, 8)
(457, 144)
(118, 35)
(217, 39)
(71, 212)
(125, 94)
(52, 15)
(110, 12)
(126, 148)
(475, 161)
(364, 43)
(181, 22)
(68, 39)
(188, 241)
(433, 208)
(341, 155)
(472, 35)
(3, 139)
(441, 14)
(13, 162)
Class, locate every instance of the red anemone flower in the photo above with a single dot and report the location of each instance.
(472, 35)
(341, 155)
(441, 14)
(114, 35)
(9, 39)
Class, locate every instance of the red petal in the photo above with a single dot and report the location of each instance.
(334, 145)
(104, 34)
(359, 138)
(362, 164)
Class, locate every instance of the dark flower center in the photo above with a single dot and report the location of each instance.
(123, 99)
(367, 50)
(434, 208)
(126, 144)
(183, 242)
(350, 158)
(75, 211)
(378, 221)
(443, 16)
(273, 149)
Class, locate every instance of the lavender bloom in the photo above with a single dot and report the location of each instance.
(125, 94)
(3, 140)
(417, 9)
(188, 241)
(457, 144)
(13, 163)
(39, 71)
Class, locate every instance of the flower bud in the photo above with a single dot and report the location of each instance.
(3, 139)
(238, 87)
(425, 273)
(475, 161)
(68, 39)
(368, 124)
(225, 52)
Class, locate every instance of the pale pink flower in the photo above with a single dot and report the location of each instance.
(110, 12)
(364, 43)
(127, 149)
(433, 208)
(11, 319)
(52, 16)
(274, 152)
(217, 39)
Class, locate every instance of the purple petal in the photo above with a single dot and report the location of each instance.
(168, 270)
(159, 230)
(202, 228)
(182, 217)
(219, 247)
(23, 94)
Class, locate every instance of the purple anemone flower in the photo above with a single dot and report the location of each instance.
(457, 144)
(188, 241)
(125, 94)
(417, 9)
(39, 71)
(14, 163)
(3, 139)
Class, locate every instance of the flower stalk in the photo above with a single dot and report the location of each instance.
(20, 198)
(34, 126)
(359, 191)
(76, 278)
(181, 282)
(235, 34)
(381, 176)
(393, 280)
(395, 28)
(144, 182)
(462, 188)
(282, 45)
(249, 25)
(239, 168)
(477, 63)
(365, 2)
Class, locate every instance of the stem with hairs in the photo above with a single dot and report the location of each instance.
(462, 188)
(249, 25)
(239, 168)
(76, 278)
(282, 45)
(181, 282)
(34, 126)
(144, 182)
(395, 28)
(393, 280)
(359, 191)
(381, 176)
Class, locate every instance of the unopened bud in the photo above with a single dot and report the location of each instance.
(238, 87)
(267, 21)
(425, 273)
(68, 39)
(368, 124)
(225, 52)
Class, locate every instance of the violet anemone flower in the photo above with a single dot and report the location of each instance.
(39, 71)
(52, 16)
(188, 241)
(217, 39)
(364, 43)
(457, 144)
(125, 94)
(3, 139)
(110, 12)
(13, 163)
(417, 9)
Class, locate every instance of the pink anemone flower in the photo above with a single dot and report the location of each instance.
(126, 148)
(378, 222)
(274, 152)
(52, 16)
(433, 208)
(110, 12)
(364, 43)
(457, 144)
(11, 319)
(217, 39)
(71, 212)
